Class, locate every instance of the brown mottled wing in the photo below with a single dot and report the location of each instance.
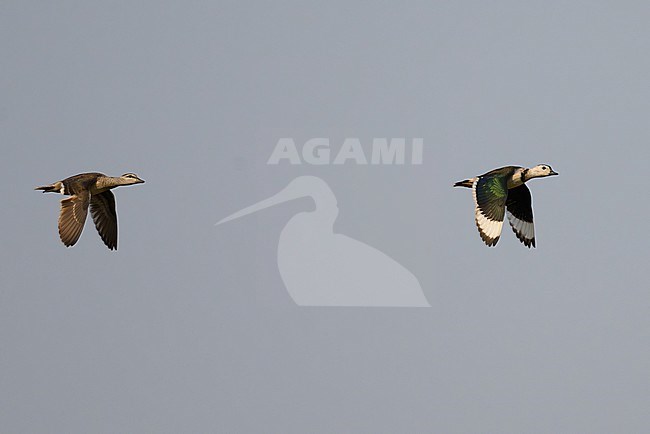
(72, 218)
(102, 210)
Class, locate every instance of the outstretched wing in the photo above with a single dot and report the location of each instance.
(102, 210)
(520, 214)
(72, 218)
(490, 193)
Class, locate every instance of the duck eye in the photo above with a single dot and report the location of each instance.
(544, 167)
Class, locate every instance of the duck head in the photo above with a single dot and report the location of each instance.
(130, 178)
(540, 171)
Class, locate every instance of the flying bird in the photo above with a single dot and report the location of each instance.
(501, 192)
(94, 190)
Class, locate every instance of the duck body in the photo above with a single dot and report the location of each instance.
(502, 192)
(89, 190)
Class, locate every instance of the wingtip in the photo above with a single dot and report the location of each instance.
(490, 242)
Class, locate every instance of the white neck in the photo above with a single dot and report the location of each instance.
(516, 180)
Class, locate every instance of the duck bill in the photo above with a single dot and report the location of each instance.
(553, 172)
(282, 196)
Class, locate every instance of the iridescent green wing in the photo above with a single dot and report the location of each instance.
(490, 194)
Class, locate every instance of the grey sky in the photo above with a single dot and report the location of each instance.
(188, 326)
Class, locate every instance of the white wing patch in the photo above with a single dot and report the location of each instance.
(490, 230)
(524, 230)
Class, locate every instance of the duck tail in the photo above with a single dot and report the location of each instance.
(465, 183)
(52, 188)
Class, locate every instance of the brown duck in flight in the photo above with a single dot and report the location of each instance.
(94, 190)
